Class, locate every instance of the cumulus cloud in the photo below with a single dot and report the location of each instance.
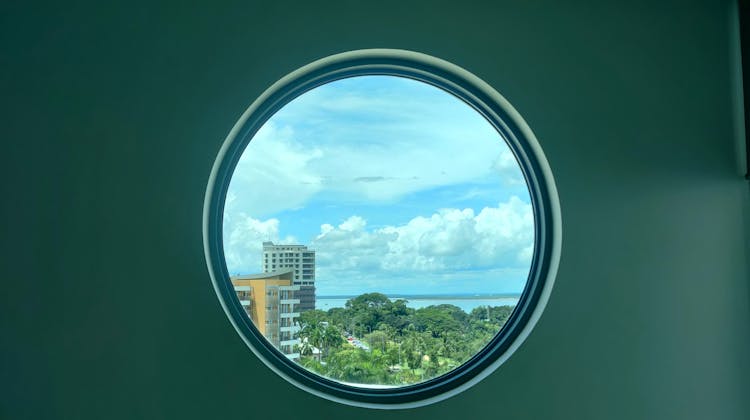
(457, 245)
(507, 167)
(243, 241)
(448, 240)
(340, 154)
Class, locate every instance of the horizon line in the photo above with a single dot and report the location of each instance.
(427, 296)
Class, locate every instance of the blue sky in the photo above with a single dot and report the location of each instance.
(399, 187)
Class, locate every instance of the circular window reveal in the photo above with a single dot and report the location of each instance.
(382, 228)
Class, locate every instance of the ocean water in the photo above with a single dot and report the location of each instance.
(464, 302)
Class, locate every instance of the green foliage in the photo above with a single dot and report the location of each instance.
(402, 345)
(367, 301)
(313, 317)
(495, 314)
(378, 339)
(317, 333)
(439, 319)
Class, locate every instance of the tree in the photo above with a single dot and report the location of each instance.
(330, 337)
(305, 347)
(407, 345)
(313, 317)
(340, 317)
(397, 315)
(368, 300)
(495, 314)
(377, 339)
(358, 366)
(438, 319)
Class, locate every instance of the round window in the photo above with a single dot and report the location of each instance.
(382, 228)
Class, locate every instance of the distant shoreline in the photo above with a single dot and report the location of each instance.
(464, 296)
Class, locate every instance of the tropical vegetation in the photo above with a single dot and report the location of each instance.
(374, 340)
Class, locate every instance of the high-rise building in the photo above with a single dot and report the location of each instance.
(270, 302)
(301, 260)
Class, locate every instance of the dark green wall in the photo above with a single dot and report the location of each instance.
(113, 116)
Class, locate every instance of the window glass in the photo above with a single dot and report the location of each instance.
(404, 228)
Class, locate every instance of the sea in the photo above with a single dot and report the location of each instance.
(466, 302)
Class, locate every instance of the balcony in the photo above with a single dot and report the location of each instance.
(289, 342)
(291, 329)
(289, 315)
(289, 301)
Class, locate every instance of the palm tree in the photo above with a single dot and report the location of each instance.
(305, 348)
(311, 337)
(330, 337)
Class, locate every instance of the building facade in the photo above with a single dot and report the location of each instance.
(271, 303)
(301, 260)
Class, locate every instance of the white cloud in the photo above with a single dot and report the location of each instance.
(507, 167)
(449, 240)
(368, 142)
(365, 147)
(451, 245)
(243, 241)
(273, 173)
(506, 232)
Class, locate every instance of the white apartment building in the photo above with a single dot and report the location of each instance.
(298, 258)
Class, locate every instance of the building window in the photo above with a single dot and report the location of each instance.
(443, 246)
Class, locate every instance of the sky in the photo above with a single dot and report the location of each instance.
(399, 187)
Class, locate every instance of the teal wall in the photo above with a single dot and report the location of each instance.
(113, 116)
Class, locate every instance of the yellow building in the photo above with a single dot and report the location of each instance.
(270, 301)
